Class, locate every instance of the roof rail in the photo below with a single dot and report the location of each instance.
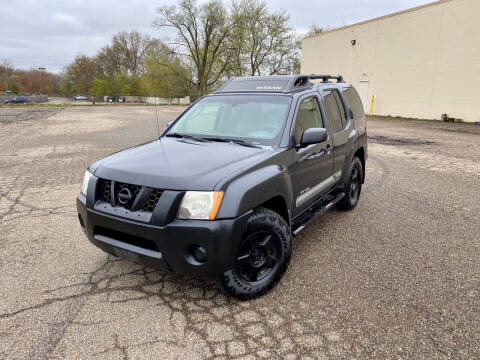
(325, 78)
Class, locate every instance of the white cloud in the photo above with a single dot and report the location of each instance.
(51, 33)
(64, 18)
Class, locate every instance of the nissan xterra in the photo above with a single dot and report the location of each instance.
(229, 183)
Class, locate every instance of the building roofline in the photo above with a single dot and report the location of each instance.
(438, 2)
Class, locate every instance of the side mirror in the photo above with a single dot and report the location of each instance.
(313, 136)
(350, 111)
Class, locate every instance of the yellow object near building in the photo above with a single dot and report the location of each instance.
(420, 63)
(372, 104)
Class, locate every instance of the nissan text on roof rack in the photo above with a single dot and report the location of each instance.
(232, 180)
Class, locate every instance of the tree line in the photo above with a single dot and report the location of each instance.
(213, 41)
(33, 81)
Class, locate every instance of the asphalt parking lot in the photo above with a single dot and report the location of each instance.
(397, 278)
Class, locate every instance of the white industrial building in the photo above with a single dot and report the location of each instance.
(421, 63)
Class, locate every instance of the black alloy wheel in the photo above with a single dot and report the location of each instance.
(262, 258)
(259, 255)
(352, 186)
(355, 184)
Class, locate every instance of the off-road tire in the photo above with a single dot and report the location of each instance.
(261, 223)
(352, 186)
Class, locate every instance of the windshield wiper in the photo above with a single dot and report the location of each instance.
(235, 141)
(186, 136)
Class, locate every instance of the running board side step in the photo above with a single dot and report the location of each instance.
(313, 213)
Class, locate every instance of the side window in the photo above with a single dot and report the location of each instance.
(340, 106)
(333, 111)
(354, 102)
(308, 116)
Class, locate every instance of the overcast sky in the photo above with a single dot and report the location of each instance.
(50, 33)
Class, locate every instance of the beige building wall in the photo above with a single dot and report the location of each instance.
(419, 63)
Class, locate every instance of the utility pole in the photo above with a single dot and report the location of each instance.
(2, 77)
(42, 69)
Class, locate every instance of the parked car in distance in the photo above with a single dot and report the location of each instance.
(81, 98)
(17, 100)
(113, 98)
(232, 180)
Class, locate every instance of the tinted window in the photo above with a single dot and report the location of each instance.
(308, 116)
(340, 105)
(256, 118)
(354, 102)
(333, 111)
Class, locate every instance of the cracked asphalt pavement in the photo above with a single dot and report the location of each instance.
(397, 278)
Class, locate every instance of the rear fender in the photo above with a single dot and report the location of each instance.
(352, 146)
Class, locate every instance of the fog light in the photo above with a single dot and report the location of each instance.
(200, 254)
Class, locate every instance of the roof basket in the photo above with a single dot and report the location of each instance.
(274, 83)
(326, 78)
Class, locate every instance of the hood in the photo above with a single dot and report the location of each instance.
(178, 164)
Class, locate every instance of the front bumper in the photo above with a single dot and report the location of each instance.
(168, 247)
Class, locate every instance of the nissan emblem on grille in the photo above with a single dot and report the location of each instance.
(124, 196)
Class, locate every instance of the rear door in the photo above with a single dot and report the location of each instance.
(338, 120)
(311, 171)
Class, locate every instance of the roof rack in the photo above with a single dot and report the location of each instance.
(325, 78)
(274, 83)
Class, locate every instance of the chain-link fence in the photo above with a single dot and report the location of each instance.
(158, 100)
(131, 99)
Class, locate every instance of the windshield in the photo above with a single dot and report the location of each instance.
(258, 119)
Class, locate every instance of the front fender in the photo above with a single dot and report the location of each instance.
(252, 189)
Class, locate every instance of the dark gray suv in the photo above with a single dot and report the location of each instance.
(232, 180)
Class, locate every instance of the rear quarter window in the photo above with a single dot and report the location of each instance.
(333, 110)
(354, 102)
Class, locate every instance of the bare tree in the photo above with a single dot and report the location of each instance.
(161, 73)
(286, 59)
(203, 38)
(315, 30)
(130, 48)
(108, 61)
(80, 74)
(264, 42)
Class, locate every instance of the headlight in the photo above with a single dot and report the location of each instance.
(86, 179)
(200, 205)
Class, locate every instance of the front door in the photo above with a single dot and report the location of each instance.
(312, 169)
